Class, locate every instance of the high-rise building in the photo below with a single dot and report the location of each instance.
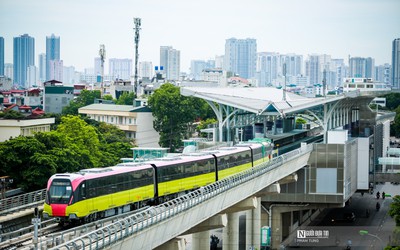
(56, 70)
(146, 70)
(120, 68)
(383, 73)
(267, 68)
(8, 70)
(24, 56)
(396, 63)
(294, 64)
(42, 67)
(31, 76)
(197, 67)
(361, 67)
(170, 61)
(241, 57)
(340, 72)
(1, 56)
(313, 69)
(52, 53)
(97, 66)
(69, 75)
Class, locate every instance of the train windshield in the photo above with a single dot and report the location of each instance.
(60, 191)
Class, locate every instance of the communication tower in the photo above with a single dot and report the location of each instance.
(102, 53)
(137, 22)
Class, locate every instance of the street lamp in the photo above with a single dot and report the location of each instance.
(365, 232)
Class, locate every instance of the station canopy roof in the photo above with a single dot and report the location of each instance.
(261, 100)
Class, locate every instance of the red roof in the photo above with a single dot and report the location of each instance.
(38, 111)
(34, 90)
(25, 107)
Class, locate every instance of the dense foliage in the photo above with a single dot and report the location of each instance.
(74, 145)
(393, 104)
(173, 113)
(85, 98)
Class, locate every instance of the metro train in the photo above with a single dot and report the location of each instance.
(96, 193)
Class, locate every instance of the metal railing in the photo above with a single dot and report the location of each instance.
(110, 234)
(22, 202)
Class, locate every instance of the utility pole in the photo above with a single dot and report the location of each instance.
(137, 22)
(102, 53)
(324, 83)
(284, 88)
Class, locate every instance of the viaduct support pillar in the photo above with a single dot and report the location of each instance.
(230, 234)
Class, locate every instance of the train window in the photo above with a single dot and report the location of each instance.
(60, 191)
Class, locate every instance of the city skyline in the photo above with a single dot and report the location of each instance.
(359, 28)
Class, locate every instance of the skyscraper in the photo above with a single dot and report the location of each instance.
(396, 63)
(361, 67)
(146, 70)
(1, 56)
(241, 57)
(170, 60)
(294, 64)
(120, 68)
(24, 56)
(52, 52)
(313, 69)
(42, 67)
(267, 68)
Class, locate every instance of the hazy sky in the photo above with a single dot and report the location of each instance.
(199, 29)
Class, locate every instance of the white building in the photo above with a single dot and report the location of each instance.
(8, 70)
(42, 67)
(146, 70)
(56, 70)
(267, 68)
(13, 128)
(120, 68)
(136, 122)
(31, 76)
(170, 61)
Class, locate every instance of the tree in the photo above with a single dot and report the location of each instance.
(19, 156)
(86, 97)
(204, 124)
(394, 210)
(126, 98)
(172, 112)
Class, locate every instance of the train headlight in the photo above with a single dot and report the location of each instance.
(73, 216)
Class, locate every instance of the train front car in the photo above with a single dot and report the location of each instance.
(60, 193)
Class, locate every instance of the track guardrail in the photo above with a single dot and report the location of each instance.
(106, 236)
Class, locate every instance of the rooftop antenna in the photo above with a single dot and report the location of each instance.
(102, 53)
(137, 22)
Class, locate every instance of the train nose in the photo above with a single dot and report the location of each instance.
(59, 209)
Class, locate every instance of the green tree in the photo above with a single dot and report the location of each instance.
(394, 209)
(20, 156)
(12, 114)
(172, 112)
(204, 124)
(85, 98)
(78, 132)
(126, 98)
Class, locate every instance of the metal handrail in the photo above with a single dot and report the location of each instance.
(155, 215)
(22, 202)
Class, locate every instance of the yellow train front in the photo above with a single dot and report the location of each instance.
(97, 193)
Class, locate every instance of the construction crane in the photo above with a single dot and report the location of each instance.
(102, 53)
(137, 22)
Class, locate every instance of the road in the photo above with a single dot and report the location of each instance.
(341, 232)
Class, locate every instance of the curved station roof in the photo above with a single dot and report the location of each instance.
(263, 100)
